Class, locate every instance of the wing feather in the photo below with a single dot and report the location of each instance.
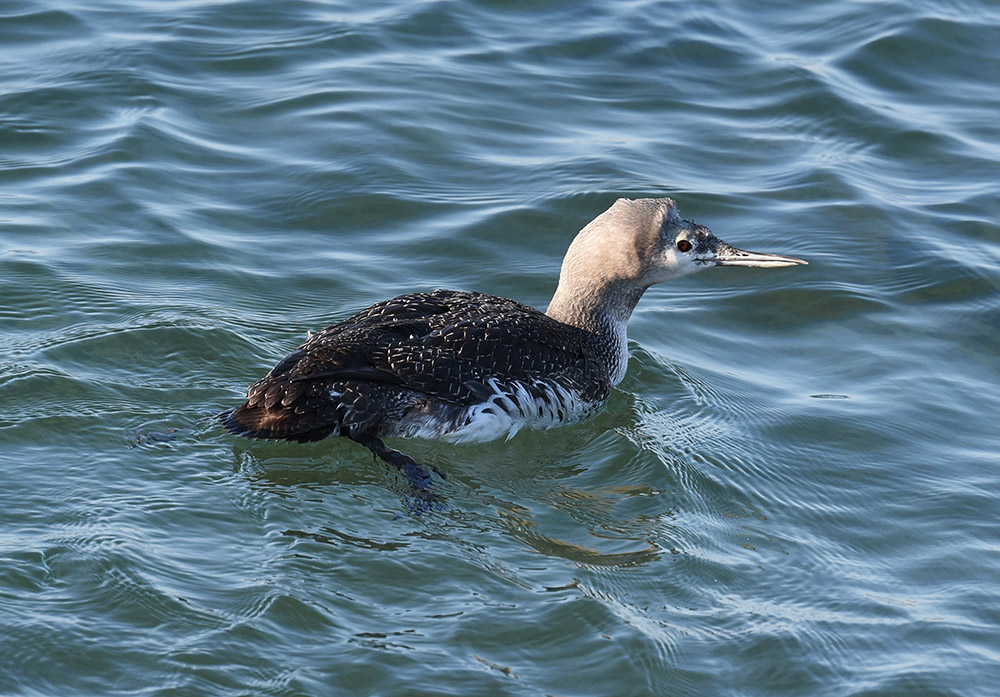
(449, 346)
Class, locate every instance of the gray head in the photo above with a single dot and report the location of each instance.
(631, 246)
(654, 244)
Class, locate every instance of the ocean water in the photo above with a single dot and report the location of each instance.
(794, 491)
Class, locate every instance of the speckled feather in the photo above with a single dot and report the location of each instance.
(420, 365)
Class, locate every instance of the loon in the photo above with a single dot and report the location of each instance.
(463, 366)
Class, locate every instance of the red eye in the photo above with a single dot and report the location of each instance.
(684, 245)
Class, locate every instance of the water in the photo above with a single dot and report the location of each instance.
(793, 492)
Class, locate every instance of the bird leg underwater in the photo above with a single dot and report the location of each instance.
(416, 476)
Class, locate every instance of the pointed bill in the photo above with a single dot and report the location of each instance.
(727, 255)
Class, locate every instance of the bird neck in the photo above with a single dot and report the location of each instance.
(601, 280)
(601, 307)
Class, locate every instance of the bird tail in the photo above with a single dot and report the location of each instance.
(257, 421)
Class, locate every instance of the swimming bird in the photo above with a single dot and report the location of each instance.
(463, 366)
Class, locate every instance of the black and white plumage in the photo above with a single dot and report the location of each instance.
(464, 366)
(461, 366)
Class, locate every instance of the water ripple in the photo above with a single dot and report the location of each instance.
(791, 492)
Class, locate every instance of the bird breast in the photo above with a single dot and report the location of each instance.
(509, 407)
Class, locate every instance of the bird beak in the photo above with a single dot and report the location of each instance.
(725, 255)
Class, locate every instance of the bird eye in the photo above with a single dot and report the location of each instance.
(684, 245)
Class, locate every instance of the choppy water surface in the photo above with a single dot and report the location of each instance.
(794, 491)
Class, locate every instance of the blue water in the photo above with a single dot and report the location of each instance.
(793, 492)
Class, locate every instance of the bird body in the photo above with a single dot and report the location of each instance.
(464, 366)
(459, 366)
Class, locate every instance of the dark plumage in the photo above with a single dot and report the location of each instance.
(390, 367)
